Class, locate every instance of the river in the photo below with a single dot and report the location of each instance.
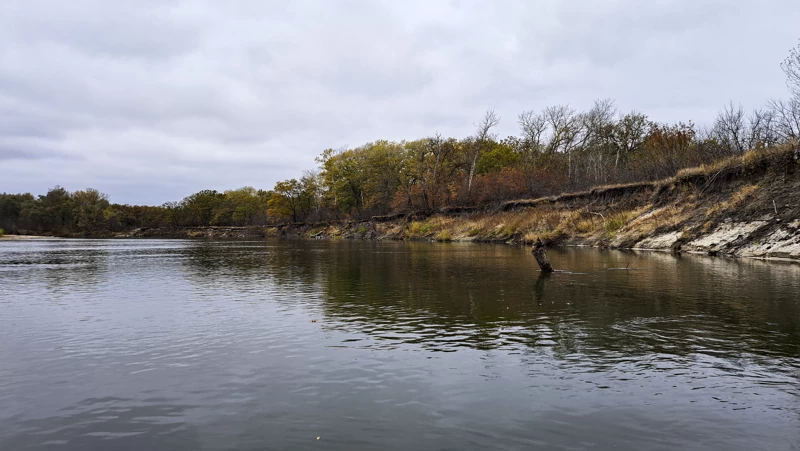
(351, 345)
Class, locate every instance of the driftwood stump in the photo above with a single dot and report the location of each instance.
(541, 256)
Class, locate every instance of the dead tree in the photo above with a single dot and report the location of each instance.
(482, 138)
(541, 256)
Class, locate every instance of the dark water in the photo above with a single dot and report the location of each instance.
(189, 345)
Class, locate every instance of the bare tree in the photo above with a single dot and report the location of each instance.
(739, 132)
(482, 136)
(761, 128)
(596, 124)
(533, 127)
(565, 127)
(730, 128)
(594, 139)
(791, 67)
(786, 119)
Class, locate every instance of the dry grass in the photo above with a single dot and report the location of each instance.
(702, 170)
(586, 225)
(615, 189)
(614, 212)
(736, 200)
(646, 220)
(743, 194)
(747, 161)
(431, 228)
(547, 222)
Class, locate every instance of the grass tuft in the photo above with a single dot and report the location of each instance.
(444, 235)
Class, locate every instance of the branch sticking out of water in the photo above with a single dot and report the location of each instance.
(541, 256)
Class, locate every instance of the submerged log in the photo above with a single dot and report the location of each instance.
(541, 256)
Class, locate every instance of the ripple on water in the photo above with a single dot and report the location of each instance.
(212, 345)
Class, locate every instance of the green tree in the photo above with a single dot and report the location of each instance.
(286, 199)
(90, 205)
(171, 213)
(346, 175)
(201, 207)
(58, 209)
(11, 207)
(245, 205)
(498, 155)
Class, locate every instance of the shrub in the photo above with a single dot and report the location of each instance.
(418, 229)
(444, 235)
(584, 226)
(507, 230)
(552, 236)
(616, 222)
(2, 232)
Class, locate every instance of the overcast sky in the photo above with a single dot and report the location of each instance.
(149, 101)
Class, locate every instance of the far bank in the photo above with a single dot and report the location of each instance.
(747, 206)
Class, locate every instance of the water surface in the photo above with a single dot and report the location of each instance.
(250, 345)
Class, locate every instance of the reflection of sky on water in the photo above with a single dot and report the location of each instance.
(143, 343)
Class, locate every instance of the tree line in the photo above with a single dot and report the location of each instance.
(557, 149)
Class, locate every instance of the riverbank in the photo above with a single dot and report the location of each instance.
(745, 207)
(193, 232)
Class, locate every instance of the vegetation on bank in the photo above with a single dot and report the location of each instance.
(746, 205)
(557, 150)
(695, 201)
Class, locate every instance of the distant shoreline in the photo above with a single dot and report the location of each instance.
(26, 237)
(742, 207)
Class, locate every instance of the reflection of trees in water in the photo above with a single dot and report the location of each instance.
(492, 297)
(62, 268)
(418, 293)
(65, 271)
(222, 258)
(487, 297)
(253, 266)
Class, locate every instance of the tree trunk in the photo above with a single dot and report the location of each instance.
(569, 165)
(472, 173)
(541, 256)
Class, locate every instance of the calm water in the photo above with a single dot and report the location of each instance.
(223, 345)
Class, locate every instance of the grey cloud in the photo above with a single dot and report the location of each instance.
(30, 152)
(112, 30)
(151, 100)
